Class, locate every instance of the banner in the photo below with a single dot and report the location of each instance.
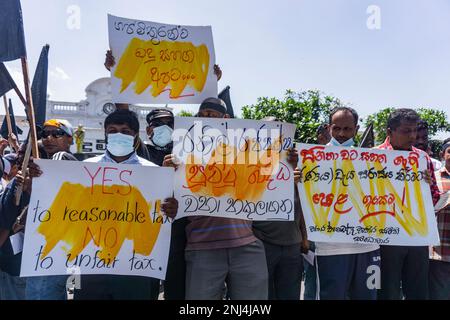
(358, 195)
(97, 218)
(12, 36)
(234, 168)
(161, 63)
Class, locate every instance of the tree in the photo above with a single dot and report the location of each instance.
(437, 121)
(379, 120)
(306, 109)
(184, 113)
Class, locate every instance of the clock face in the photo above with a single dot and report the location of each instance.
(109, 108)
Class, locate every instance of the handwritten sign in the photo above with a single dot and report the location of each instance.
(161, 63)
(234, 168)
(358, 195)
(97, 218)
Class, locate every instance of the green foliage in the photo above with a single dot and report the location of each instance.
(437, 121)
(379, 120)
(184, 113)
(306, 109)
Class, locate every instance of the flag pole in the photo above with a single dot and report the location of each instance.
(19, 94)
(8, 116)
(30, 109)
(25, 162)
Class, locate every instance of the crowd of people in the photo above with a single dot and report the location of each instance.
(213, 258)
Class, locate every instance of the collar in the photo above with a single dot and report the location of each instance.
(131, 160)
(444, 171)
(388, 146)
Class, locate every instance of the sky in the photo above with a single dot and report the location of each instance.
(266, 47)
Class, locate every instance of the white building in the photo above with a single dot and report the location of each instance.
(90, 113)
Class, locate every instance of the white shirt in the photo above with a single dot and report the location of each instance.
(437, 165)
(337, 248)
(133, 159)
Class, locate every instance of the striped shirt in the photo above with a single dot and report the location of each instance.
(206, 233)
(442, 252)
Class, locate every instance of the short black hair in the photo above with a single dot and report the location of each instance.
(445, 144)
(322, 128)
(399, 115)
(346, 109)
(422, 125)
(215, 104)
(123, 116)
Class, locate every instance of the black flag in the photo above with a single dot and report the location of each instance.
(6, 82)
(12, 36)
(39, 87)
(225, 96)
(368, 138)
(15, 129)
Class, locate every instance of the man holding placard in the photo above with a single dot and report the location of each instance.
(405, 268)
(222, 250)
(121, 130)
(342, 267)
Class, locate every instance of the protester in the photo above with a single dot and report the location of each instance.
(423, 144)
(57, 137)
(222, 250)
(159, 130)
(439, 273)
(405, 268)
(323, 135)
(160, 123)
(342, 267)
(121, 133)
(310, 279)
(3, 145)
(10, 168)
(12, 287)
(284, 241)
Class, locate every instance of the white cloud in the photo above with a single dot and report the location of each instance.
(59, 73)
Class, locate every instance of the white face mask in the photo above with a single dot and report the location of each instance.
(162, 135)
(349, 143)
(119, 144)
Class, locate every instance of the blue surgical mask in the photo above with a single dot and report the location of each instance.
(349, 143)
(119, 144)
(162, 135)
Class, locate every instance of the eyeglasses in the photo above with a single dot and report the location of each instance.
(54, 133)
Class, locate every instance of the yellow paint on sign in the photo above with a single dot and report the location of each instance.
(166, 66)
(107, 226)
(401, 209)
(243, 175)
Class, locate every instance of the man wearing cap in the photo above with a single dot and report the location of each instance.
(10, 168)
(222, 250)
(57, 137)
(56, 140)
(159, 131)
